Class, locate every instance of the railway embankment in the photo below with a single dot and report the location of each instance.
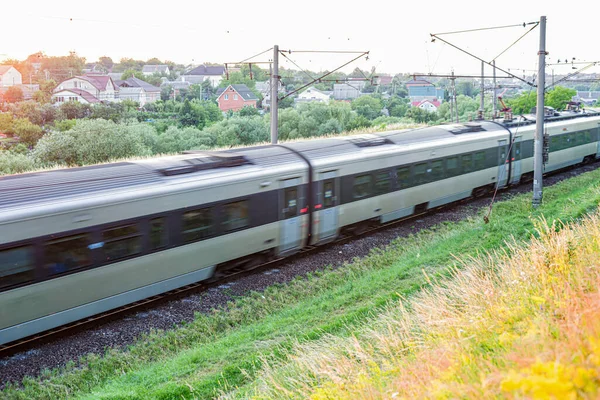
(467, 309)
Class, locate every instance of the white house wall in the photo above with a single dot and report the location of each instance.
(11, 77)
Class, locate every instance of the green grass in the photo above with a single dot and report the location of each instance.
(222, 352)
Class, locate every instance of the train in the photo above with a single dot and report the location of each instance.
(81, 241)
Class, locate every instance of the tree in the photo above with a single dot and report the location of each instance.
(6, 122)
(419, 115)
(27, 132)
(154, 61)
(74, 110)
(524, 103)
(44, 95)
(238, 78)
(128, 63)
(559, 97)
(13, 94)
(60, 68)
(106, 62)
(397, 107)
(465, 88)
(132, 73)
(367, 106)
(248, 111)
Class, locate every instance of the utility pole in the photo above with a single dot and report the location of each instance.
(274, 94)
(538, 146)
(494, 97)
(454, 98)
(480, 113)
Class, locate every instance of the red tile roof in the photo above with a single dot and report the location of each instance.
(435, 102)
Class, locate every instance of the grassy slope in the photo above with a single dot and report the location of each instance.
(524, 325)
(225, 351)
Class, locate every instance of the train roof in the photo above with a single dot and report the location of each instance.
(39, 187)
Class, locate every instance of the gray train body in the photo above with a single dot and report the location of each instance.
(81, 241)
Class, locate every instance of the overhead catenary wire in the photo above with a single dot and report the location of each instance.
(487, 28)
(323, 76)
(516, 41)
(483, 61)
(256, 55)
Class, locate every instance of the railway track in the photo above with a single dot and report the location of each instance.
(235, 273)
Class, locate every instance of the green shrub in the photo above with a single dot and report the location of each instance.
(13, 163)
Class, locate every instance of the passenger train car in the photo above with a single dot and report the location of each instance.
(78, 242)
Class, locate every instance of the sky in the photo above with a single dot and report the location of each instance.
(396, 33)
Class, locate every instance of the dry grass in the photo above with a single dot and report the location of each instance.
(525, 326)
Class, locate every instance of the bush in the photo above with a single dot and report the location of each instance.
(175, 140)
(95, 141)
(13, 163)
(237, 131)
(27, 132)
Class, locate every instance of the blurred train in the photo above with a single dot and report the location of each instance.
(80, 241)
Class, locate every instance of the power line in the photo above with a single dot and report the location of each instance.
(323, 76)
(486, 29)
(516, 41)
(482, 60)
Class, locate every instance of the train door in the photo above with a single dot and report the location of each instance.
(502, 163)
(328, 200)
(516, 161)
(289, 215)
(597, 136)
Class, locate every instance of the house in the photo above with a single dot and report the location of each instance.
(264, 88)
(176, 87)
(427, 105)
(82, 96)
(155, 69)
(214, 74)
(384, 80)
(588, 97)
(235, 97)
(150, 93)
(99, 86)
(9, 76)
(420, 89)
(313, 95)
(115, 76)
(349, 90)
(133, 93)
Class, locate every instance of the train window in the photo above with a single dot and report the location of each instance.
(587, 136)
(420, 173)
(197, 224)
(328, 195)
(16, 266)
(554, 143)
(121, 242)
(67, 253)
(383, 182)
(236, 215)
(291, 203)
(437, 170)
(362, 186)
(403, 177)
(479, 160)
(451, 166)
(466, 163)
(158, 233)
